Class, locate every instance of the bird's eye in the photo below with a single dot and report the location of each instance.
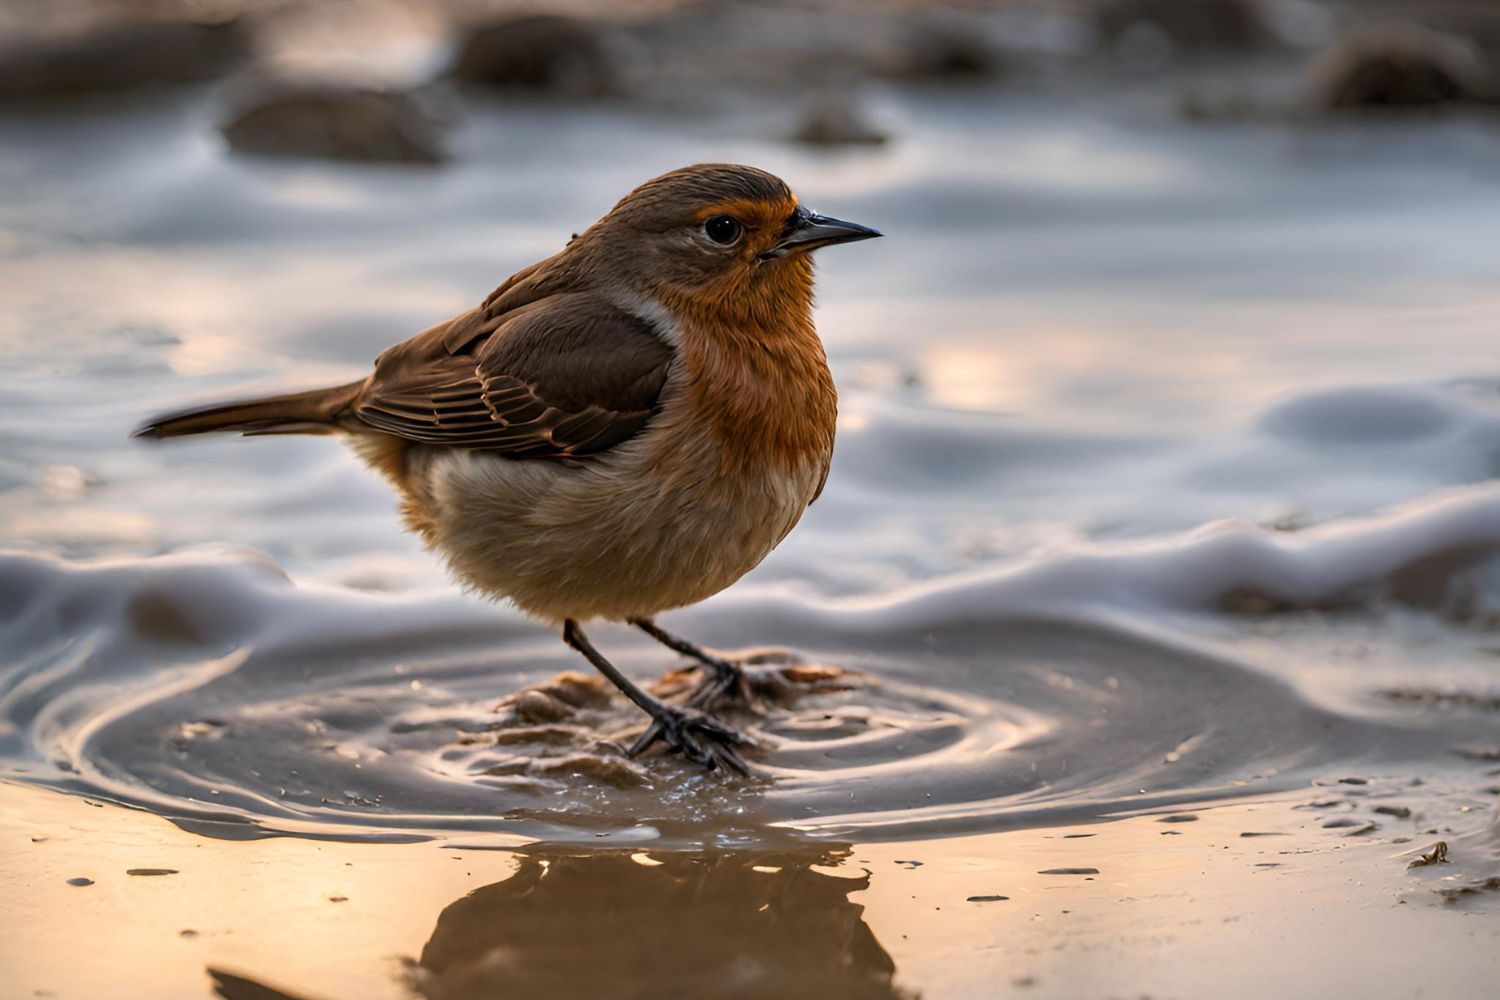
(723, 229)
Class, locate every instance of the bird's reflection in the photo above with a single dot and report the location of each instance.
(659, 924)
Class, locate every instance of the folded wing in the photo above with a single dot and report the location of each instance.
(567, 375)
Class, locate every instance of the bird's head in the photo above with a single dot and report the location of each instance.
(717, 238)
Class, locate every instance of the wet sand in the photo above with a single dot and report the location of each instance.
(1175, 909)
(334, 799)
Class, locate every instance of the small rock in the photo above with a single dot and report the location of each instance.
(942, 48)
(1351, 827)
(1179, 818)
(116, 56)
(1400, 812)
(1398, 66)
(987, 899)
(80, 880)
(151, 871)
(534, 705)
(1172, 26)
(1069, 871)
(337, 124)
(833, 120)
(544, 52)
(577, 689)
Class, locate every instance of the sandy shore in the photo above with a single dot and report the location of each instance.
(1244, 900)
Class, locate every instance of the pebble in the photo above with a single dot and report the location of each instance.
(336, 123)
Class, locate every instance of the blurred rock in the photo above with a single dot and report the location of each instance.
(120, 55)
(1170, 27)
(835, 120)
(1399, 66)
(933, 48)
(543, 52)
(337, 124)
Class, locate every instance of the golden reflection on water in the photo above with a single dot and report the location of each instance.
(626, 923)
(617, 923)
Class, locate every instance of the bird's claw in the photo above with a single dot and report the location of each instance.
(698, 737)
(726, 683)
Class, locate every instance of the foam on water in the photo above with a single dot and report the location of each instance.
(208, 687)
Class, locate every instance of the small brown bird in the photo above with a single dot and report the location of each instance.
(626, 427)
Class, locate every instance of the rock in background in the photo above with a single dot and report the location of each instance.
(339, 123)
(117, 55)
(540, 53)
(1396, 66)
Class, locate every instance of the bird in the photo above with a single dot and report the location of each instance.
(621, 429)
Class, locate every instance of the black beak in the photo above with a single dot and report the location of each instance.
(808, 230)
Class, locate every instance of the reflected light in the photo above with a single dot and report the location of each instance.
(736, 924)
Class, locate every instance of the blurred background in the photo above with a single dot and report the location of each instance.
(1151, 262)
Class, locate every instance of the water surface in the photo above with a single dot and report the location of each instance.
(1165, 475)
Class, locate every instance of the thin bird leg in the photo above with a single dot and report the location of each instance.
(696, 736)
(726, 680)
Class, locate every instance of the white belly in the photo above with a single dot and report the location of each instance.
(613, 536)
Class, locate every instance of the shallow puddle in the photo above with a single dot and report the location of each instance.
(1143, 637)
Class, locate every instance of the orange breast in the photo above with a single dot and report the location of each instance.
(757, 375)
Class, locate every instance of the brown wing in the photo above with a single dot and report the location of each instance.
(567, 375)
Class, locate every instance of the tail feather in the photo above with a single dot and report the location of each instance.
(315, 412)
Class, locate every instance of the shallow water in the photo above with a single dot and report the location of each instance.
(210, 689)
(1165, 475)
(1249, 896)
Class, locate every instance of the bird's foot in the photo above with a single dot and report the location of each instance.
(724, 684)
(751, 681)
(697, 736)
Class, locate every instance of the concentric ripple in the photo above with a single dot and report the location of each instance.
(206, 688)
(210, 690)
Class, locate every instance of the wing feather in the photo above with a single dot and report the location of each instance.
(566, 376)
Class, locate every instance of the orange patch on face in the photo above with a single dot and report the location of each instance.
(753, 213)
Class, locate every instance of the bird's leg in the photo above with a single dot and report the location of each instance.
(726, 680)
(696, 736)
